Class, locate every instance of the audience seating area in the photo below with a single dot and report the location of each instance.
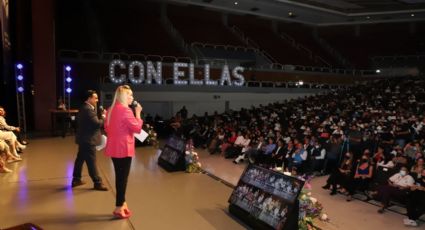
(135, 27)
(381, 123)
(197, 24)
(377, 39)
(260, 31)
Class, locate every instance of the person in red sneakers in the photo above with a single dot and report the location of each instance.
(120, 126)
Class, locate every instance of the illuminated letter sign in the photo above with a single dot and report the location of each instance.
(179, 77)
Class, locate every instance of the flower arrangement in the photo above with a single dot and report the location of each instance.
(310, 208)
(192, 159)
(152, 136)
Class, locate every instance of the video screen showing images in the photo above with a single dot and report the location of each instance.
(286, 187)
(261, 205)
(170, 155)
(266, 195)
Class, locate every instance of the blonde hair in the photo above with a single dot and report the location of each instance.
(121, 96)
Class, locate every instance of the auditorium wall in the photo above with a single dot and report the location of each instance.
(166, 103)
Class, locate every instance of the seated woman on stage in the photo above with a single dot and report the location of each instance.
(6, 157)
(342, 175)
(362, 176)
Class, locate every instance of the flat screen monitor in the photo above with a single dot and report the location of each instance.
(266, 195)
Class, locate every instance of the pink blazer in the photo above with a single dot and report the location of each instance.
(120, 130)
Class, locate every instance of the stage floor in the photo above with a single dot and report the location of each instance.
(38, 191)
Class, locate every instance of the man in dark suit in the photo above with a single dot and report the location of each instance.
(87, 137)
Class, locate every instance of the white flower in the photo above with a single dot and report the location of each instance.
(313, 200)
(309, 194)
(324, 217)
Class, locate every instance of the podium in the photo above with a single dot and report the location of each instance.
(265, 199)
(172, 157)
(62, 121)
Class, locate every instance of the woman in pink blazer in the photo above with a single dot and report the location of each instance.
(120, 126)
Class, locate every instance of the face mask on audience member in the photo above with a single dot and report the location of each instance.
(403, 173)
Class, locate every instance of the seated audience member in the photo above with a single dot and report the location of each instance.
(317, 158)
(411, 149)
(265, 157)
(245, 147)
(379, 156)
(288, 152)
(341, 176)
(228, 142)
(255, 150)
(417, 168)
(387, 164)
(400, 160)
(397, 188)
(362, 176)
(236, 148)
(416, 201)
(216, 141)
(298, 157)
(278, 154)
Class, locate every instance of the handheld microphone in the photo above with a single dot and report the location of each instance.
(133, 104)
(100, 111)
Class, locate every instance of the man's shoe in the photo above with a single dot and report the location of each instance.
(381, 210)
(327, 186)
(76, 183)
(100, 187)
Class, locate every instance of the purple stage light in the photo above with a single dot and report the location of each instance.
(68, 90)
(20, 89)
(68, 79)
(68, 68)
(19, 66)
(20, 77)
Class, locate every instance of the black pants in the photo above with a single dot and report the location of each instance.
(86, 153)
(388, 192)
(358, 184)
(122, 169)
(415, 204)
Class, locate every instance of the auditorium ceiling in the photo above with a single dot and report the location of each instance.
(322, 12)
